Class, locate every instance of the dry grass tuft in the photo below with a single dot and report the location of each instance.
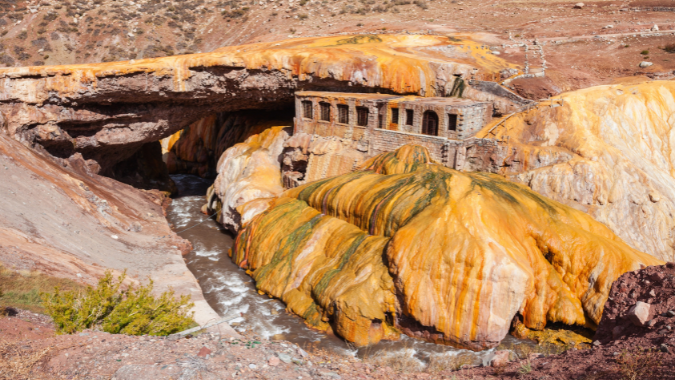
(639, 363)
(17, 362)
(440, 363)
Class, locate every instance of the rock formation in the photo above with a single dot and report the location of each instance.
(197, 148)
(404, 244)
(249, 177)
(605, 150)
(108, 111)
(59, 218)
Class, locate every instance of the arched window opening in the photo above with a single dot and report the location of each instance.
(430, 123)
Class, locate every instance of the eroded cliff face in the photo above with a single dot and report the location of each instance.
(606, 150)
(108, 111)
(404, 244)
(59, 218)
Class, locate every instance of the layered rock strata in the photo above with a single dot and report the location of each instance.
(108, 111)
(404, 244)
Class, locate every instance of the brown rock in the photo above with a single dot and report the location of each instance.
(639, 314)
(203, 352)
(500, 359)
(274, 361)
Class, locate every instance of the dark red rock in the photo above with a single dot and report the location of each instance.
(203, 352)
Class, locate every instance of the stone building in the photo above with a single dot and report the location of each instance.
(379, 123)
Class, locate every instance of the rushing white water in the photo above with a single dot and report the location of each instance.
(228, 288)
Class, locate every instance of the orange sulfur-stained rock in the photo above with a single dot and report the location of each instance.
(407, 245)
(605, 150)
(107, 111)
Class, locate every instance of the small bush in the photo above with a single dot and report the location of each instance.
(23, 35)
(134, 311)
(645, 52)
(303, 16)
(638, 363)
(670, 48)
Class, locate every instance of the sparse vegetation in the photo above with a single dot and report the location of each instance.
(303, 16)
(439, 363)
(670, 48)
(645, 52)
(134, 311)
(21, 289)
(638, 363)
(17, 360)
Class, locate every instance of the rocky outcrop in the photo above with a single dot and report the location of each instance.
(57, 217)
(145, 169)
(309, 158)
(605, 150)
(404, 244)
(249, 177)
(197, 148)
(108, 111)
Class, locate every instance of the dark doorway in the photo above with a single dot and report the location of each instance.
(430, 123)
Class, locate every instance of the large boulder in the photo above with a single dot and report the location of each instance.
(249, 175)
(404, 244)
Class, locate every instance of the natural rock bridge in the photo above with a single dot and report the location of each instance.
(108, 111)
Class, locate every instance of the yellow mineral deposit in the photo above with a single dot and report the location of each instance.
(400, 63)
(406, 245)
(197, 148)
(606, 150)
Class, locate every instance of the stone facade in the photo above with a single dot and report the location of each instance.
(445, 126)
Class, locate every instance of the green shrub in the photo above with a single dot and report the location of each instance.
(645, 52)
(134, 311)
